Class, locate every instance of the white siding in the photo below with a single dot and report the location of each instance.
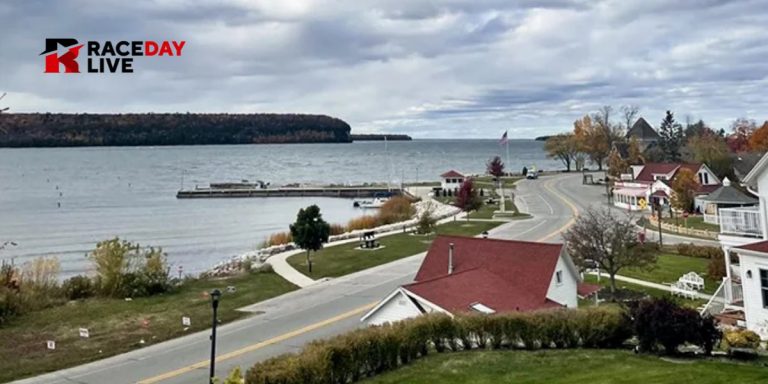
(398, 307)
(756, 315)
(564, 293)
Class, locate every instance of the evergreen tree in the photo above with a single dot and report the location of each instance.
(671, 138)
(310, 231)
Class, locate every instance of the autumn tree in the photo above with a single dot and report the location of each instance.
(741, 131)
(670, 137)
(710, 149)
(616, 165)
(495, 167)
(596, 142)
(698, 128)
(610, 242)
(562, 147)
(684, 186)
(466, 197)
(759, 139)
(310, 231)
(634, 154)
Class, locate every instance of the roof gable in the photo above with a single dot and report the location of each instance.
(642, 130)
(483, 268)
(451, 173)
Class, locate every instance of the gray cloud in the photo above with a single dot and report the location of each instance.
(429, 68)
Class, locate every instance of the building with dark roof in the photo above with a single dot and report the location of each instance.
(466, 274)
(644, 133)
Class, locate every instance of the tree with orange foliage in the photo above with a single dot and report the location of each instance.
(742, 128)
(684, 186)
(759, 140)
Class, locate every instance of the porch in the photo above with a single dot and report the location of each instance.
(741, 221)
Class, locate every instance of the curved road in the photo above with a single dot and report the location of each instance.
(286, 323)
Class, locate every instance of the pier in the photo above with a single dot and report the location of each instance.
(346, 192)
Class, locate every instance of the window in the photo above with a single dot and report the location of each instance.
(764, 286)
(706, 178)
(559, 277)
(701, 178)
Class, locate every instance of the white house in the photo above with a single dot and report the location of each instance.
(467, 274)
(743, 295)
(651, 183)
(451, 180)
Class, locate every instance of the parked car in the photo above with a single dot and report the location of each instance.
(532, 175)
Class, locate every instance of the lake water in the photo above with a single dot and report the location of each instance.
(61, 201)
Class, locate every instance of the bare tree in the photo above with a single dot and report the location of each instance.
(629, 114)
(609, 242)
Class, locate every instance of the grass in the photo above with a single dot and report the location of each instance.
(117, 326)
(643, 222)
(578, 366)
(693, 222)
(344, 259)
(486, 181)
(653, 292)
(670, 267)
(487, 211)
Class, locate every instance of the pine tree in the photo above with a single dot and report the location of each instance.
(671, 137)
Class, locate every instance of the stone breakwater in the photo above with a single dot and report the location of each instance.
(257, 258)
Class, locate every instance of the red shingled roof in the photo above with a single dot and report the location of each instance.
(502, 274)
(587, 290)
(650, 169)
(451, 173)
(761, 246)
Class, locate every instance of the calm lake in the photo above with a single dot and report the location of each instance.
(61, 201)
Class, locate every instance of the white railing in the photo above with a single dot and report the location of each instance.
(716, 303)
(744, 221)
(711, 218)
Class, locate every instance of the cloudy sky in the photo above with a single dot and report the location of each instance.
(427, 68)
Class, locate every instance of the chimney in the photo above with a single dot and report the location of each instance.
(450, 258)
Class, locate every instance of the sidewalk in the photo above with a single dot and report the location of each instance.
(649, 284)
(279, 262)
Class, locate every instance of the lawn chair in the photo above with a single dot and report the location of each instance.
(682, 289)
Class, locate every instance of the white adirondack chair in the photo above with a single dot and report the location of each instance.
(693, 280)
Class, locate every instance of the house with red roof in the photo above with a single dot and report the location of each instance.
(451, 180)
(651, 183)
(468, 274)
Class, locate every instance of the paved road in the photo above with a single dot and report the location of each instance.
(285, 323)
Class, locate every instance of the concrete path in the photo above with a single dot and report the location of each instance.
(649, 284)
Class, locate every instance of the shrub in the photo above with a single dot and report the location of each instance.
(741, 338)
(396, 209)
(700, 251)
(363, 222)
(11, 304)
(40, 276)
(663, 322)
(78, 287)
(125, 269)
(366, 352)
(278, 238)
(427, 222)
(337, 229)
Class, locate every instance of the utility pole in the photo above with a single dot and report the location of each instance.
(658, 212)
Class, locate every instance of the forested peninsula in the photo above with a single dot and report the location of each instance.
(85, 129)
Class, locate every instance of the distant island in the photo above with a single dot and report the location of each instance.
(379, 137)
(542, 138)
(85, 129)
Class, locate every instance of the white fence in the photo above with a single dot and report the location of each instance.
(743, 221)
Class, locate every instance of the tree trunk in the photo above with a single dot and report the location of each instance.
(612, 277)
(309, 262)
(568, 165)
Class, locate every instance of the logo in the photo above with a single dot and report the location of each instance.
(104, 56)
(53, 61)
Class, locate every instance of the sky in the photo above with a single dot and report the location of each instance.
(430, 69)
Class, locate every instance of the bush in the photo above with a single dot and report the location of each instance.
(396, 209)
(363, 222)
(700, 251)
(11, 304)
(125, 269)
(78, 287)
(337, 229)
(741, 338)
(367, 352)
(427, 222)
(661, 322)
(278, 238)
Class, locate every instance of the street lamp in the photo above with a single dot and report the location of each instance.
(215, 296)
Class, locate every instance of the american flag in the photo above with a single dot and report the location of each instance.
(503, 140)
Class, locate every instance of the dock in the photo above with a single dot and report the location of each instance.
(345, 192)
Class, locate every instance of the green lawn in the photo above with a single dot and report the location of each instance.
(670, 267)
(486, 181)
(487, 210)
(693, 222)
(346, 258)
(117, 326)
(578, 366)
(653, 292)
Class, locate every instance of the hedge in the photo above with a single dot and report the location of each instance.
(700, 251)
(371, 351)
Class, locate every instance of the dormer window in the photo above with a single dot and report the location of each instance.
(659, 177)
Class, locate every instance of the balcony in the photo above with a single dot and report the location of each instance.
(743, 221)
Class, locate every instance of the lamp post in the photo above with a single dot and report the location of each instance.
(215, 296)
